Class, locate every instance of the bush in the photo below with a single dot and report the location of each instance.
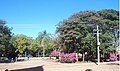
(55, 54)
(68, 58)
(112, 57)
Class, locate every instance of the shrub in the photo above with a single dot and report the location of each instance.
(55, 53)
(68, 58)
(112, 57)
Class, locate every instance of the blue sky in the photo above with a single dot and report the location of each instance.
(32, 16)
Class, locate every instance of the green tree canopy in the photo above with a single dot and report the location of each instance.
(21, 42)
(77, 32)
(6, 47)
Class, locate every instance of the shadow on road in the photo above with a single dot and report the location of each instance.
(88, 70)
(39, 68)
(8, 61)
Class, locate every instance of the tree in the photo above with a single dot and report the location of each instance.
(75, 37)
(82, 25)
(7, 49)
(33, 48)
(107, 43)
(69, 32)
(22, 43)
(46, 43)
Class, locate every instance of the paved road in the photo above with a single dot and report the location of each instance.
(39, 65)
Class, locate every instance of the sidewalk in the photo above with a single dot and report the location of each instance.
(114, 62)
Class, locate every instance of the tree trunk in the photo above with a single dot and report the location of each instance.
(38, 54)
(77, 57)
(83, 57)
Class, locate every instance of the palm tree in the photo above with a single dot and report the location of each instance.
(42, 36)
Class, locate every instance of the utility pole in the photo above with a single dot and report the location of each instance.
(98, 44)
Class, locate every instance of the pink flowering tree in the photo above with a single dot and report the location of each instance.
(68, 58)
(64, 57)
(55, 53)
(112, 57)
